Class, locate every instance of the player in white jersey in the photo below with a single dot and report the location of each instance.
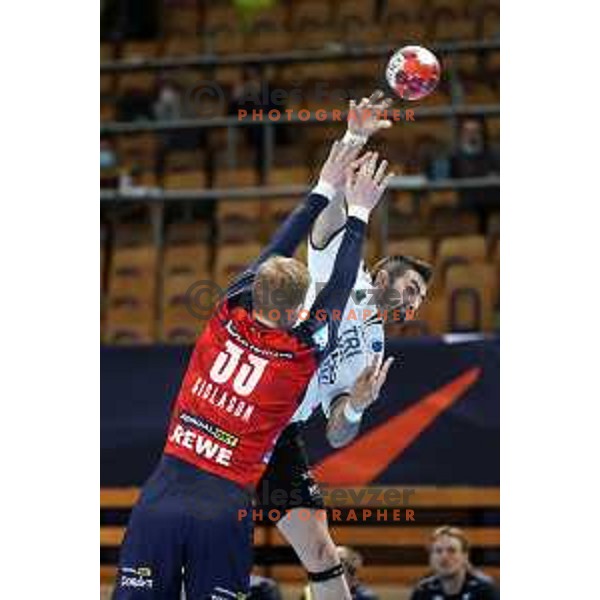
(350, 379)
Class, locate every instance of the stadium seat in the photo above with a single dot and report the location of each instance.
(181, 160)
(446, 28)
(137, 81)
(107, 51)
(108, 111)
(351, 14)
(420, 247)
(400, 10)
(240, 177)
(226, 42)
(220, 18)
(448, 222)
(137, 50)
(288, 176)
(128, 235)
(177, 328)
(121, 329)
(490, 22)
(311, 14)
(138, 150)
(269, 41)
(469, 293)
(181, 21)
(460, 250)
(231, 260)
(442, 198)
(182, 259)
(185, 180)
(239, 220)
(182, 46)
(194, 233)
(132, 273)
(107, 84)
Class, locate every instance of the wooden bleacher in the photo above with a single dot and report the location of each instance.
(476, 510)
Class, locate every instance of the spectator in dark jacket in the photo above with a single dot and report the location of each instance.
(453, 577)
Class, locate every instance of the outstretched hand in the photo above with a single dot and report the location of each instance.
(369, 383)
(366, 182)
(341, 157)
(368, 116)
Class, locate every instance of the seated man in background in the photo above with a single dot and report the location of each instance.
(453, 576)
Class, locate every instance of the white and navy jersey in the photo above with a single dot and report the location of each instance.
(360, 334)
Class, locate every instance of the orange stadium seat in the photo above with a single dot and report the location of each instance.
(137, 81)
(400, 10)
(190, 259)
(138, 50)
(138, 149)
(107, 84)
(231, 260)
(196, 232)
(182, 46)
(239, 220)
(448, 28)
(240, 177)
(490, 22)
(185, 180)
(469, 294)
(460, 250)
(182, 21)
(270, 41)
(449, 222)
(178, 328)
(132, 235)
(288, 176)
(442, 198)
(107, 51)
(351, 14)
(220, 18)
(269, 19)
(227, 42)
(179, 160)
(310, 14)
(420, 247)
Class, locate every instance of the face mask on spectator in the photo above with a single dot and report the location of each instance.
(107, 159)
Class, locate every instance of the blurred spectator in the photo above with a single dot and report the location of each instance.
(109, 174)
(453, 577)
(169, 103)
(474, 157)
(352, 562)
(262, 588)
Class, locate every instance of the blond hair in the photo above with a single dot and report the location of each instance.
(280, 286)
(453, 532)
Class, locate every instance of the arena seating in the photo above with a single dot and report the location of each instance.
(433, 225)
(384, 544)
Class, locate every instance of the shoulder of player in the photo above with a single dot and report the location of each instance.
(478, 578)
(427, 583)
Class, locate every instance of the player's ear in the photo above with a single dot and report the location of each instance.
(382, 279)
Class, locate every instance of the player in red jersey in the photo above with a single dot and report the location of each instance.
(247, 374)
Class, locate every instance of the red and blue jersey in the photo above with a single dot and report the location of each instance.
(244, 380)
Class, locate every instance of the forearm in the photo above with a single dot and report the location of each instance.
(329, 222)
(341, 429)
(333, 218)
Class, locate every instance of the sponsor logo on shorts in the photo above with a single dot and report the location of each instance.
(220, 593)
(139, 578)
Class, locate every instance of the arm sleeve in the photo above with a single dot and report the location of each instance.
(329, 304)
(287, 238)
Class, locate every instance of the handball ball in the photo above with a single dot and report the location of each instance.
(413, 72)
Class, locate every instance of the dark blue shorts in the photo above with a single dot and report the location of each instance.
(185, 531)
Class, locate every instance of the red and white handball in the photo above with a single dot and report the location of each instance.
(413, 72)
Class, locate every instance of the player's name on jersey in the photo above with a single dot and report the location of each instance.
(220, 398)
(359, 314)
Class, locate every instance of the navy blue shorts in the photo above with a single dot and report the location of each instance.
(185, 531)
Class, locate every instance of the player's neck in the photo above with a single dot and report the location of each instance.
(453, 584)
(260, 318)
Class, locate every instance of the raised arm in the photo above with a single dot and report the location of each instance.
(296, 227)
(364, 188)
(364, 119)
